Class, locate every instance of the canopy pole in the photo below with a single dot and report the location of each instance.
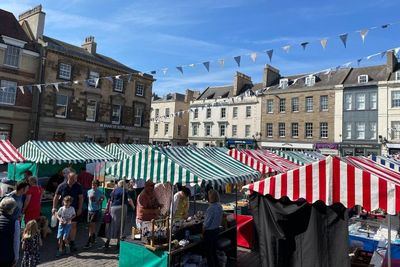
(37, 170)
(15, 170)
(389, 242)
(170, 226)
(236, 200)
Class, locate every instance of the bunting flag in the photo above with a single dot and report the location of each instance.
(385, 26)
(383, 53)
(207, 65)
(346, 65)
(56, 86)
(129, 78)
(373, 55)
(269, 53)
(324, 42)
(39, 87)
(253, 56)
(164, 70)
(343, 37)
(304, 45)
(237, 59)
(286, 48)
(96, 82)
(221, 62)
(363, 34)
(118, 77)
(180, 69)
(192, 65)
(21, 88)
(396, 50)
(359, 61)
(153, 72)
(76, 82)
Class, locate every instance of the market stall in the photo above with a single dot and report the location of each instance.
(299, 202)
(388, 162)
(182, 166)
(300, 158)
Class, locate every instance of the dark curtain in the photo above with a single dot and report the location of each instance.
(299, 234)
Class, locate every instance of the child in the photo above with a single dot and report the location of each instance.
(65, 215)
(95, 198)
(30, 244)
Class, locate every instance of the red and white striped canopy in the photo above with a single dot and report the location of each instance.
(262, 160)
(333, 181)
(8, 153)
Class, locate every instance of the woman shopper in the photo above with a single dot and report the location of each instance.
(33, 200)
(7, 232)
(114, 228)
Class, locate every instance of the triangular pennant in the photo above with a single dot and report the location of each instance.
(129, 77)
(21, 88)
(192, 65)
(207, 65)
(237, 59)
(96, 82)
(56, 86)
(165, 70)
(221, 62)
(396, 50)
(269, 53)
(153, 72)
(118, 77)
(346, 65)
(39, 87)
(373, 55)
(76, 82)
(383, 53)
(343, 37)
(324, 42)
(286, 48)
(363, 34)
(358, 61)
(295, 81)
(304, 45)
(384, 26)
(180, 69)
(253, 56)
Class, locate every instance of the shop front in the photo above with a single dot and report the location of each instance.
(347, 149)
(327, 149)
(241, 143)
(393, 148)
(287, 146)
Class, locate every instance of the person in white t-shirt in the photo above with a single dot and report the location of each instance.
(64, 215)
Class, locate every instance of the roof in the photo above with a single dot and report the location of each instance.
(72, 50)
(123, 151)
(8, 153)
(375, 74)
(171, 97)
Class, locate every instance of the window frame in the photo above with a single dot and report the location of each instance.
(136, 116)
(373, 130)
(282, 105)
(363, 78)
(295, 104)
(373, 95)
(310, 80)
(348, 130)
(10, 90)
(359, 102)
(95, 110)
(397, 76)
(235, 112)
(223, 113)
(208, 113)
(247, 130)
(155, 131)
(281, 128)
(269, 131)
(179, 130)
(324, 100)
(348, 96)
(294, 130)
(195, 132)
(166, 128)
(323, 130)
(222, 128)
(248, 111)
(234, 130)
(138, 85)
(119, 116)
(208, 127)
(61, 105)
(309, 108)
(395, 102)
(92, 78)
(395, 130)
(118, 83)
(270, 108)
(12, 57)
(308, 130)
(167, 112)
(283, 83)
(196, 113)
(156, 113)
(62, 71)
(358, 131)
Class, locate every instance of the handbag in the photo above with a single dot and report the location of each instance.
(107, 214)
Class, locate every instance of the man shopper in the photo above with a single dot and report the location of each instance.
(95, 198)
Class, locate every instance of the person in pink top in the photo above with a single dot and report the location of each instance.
(163, 193)
(33, 200)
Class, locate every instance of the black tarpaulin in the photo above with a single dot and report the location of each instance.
(299, 234)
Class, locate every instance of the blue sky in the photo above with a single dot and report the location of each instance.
(148, 35)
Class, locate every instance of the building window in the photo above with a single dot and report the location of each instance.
(235, 112)
(324, 103)
(269, 130)
(167, 112)
(166, 128)
(270, 106)
(397, 76)
(363, 78)
(295, 130)
(138, 116)
(323, 130)
(11, 57)
(222, 128)
(179, 130)
(281, 129)
(372, 130)
(295, 104)
(234, 130)
(309, 130)
(282, 105)
(116, 114)
(395, 130)
(208, 113)
(395, 99)
(93, 78)
(156, 113)
(360, 101)
(373, 99)
(309, 103)
(140, 89)
(64, 71)
(208, 129)
(91, 109)
(348, 101)
(283, 83)
(310, 80)
(247, 130)
(347, 129)
(195, 128)
(196, 114)
(248, 111)
(118, 85)
(9, 93)
(360, 130)
(223, 113)
(155, 128)
(5, 131)
(61, 106)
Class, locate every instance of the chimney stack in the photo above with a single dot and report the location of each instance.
(271, 75)
(35, 20)
(391, 61)
(90, 45)
(239, 81)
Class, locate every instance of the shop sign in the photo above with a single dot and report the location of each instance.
(326, 146)
(242, 142)
(115, 126)
(360, 146)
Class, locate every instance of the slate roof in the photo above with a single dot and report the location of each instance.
(172, 97)
(375, 74)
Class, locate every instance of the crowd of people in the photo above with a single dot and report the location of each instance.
(74, 194)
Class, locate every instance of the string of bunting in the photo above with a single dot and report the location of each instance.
(253, 55)
(259, 92)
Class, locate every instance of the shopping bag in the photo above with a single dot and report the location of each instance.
(107, 217)
(53, 222)
(102, 230)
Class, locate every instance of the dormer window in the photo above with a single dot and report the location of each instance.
(283, 83)
(310, 80)
(397, 76)
(363, 78)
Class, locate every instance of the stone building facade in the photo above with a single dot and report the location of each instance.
(166, 128)
(19, 65)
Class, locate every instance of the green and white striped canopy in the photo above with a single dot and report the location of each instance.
(124, 151)
(295, 157)
(152, 164)
(64, 152)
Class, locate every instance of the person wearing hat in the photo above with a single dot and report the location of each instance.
(148, 207)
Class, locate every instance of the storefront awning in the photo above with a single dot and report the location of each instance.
(8, 153)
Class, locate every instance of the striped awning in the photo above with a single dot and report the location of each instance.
(8, 153)
(389, 163)
(64, 152)
(334, 181)
(299, 157)
(123, 151)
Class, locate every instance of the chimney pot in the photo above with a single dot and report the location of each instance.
(90, 45)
